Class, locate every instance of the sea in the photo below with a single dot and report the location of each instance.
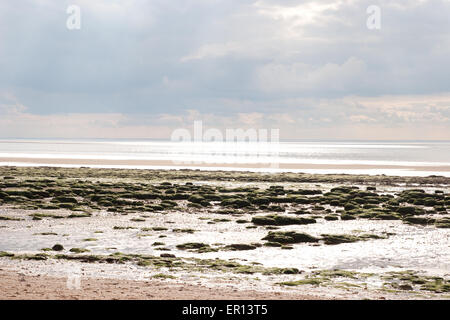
(403, 158)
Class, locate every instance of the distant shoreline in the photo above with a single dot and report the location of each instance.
(168, 164)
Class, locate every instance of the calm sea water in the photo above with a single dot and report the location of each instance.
(401, 153)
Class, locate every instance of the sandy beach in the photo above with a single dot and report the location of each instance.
(17, 286)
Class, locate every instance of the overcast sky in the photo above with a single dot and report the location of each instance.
(140, 69)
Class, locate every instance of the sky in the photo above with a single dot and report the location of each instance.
(142, 69)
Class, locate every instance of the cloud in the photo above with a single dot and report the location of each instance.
(300, 77)
(212, 51)
(137, 65)
(388, 117)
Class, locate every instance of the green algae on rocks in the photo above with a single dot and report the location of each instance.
(292, 237)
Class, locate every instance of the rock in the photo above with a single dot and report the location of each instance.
(280, 220)
(290, 271)
(419, 220)
(57, 247)
(240, 246)
(346, 216)
(350, 206)
(196, 199)
(192, 245)
(66, 199)
(289, 237)
(167, 255)
(405, 287)
(261, 200)
(443, 223)
(272, 244)
(333, 239)
(406, 210)
(235, 203)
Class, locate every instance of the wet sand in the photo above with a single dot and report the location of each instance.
(17, 286)
(171, 164)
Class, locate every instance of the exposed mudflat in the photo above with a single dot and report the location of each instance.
(296, 235)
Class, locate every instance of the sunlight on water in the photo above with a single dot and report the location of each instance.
(397, 153)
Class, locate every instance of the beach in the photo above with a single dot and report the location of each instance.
(211, 150)
(17, 286)
(182, 234)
